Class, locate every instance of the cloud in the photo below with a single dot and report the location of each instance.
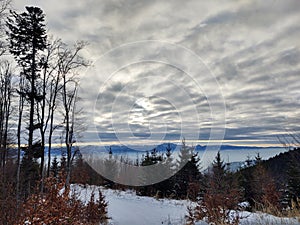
(252, 49)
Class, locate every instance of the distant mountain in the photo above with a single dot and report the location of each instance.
(164, 146)
(118, 149)
(128, 149)
(231, 147)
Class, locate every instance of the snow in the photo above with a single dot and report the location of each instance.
(126, 208)
(265, 219)
(144, 210)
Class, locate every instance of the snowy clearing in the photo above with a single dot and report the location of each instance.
(126, 208)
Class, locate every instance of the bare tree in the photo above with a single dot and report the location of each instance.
(70, 63)
(5, 108)
(19, 129)
(49, 90)
(289, 140)
(53, 90)
(5, 85)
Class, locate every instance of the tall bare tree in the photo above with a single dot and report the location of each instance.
(53, 91)
(70, 63)
(49, 89)
(19, 130)
(5, 109)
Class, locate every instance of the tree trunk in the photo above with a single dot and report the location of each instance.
(52, 108)
(21, 105)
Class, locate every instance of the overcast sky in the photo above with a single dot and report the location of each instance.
(195, 69)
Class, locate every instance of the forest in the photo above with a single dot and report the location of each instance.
(40, 108)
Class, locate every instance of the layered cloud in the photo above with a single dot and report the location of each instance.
(249, 49)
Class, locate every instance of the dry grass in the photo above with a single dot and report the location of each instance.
(289, 216)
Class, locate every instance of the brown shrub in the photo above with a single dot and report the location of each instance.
(58, 206)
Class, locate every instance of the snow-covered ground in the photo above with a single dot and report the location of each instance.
(266, 219)
(126, 208)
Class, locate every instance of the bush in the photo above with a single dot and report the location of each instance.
(59, 206)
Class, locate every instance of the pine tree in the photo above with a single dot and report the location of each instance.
(63, 162)
(148, 174)
(168, 150)
(221, 195)
(151, 159)
(219, 173)
(27, 40)
(293, 185)
(167, 165)
(185, 155)
(258, 158)
(111, 169)
(54, 167)
(79, 173)
(248, 161)
(29, 174)
(188, 171)
(264, 191)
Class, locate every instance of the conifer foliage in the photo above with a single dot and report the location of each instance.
(27, 39)
(221, 195)
(27, 42)
(293, 183)
(187, 179)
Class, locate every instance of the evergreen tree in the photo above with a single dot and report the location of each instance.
(79, 173)
(188, 171)
(165, 187)
(293, 184)
(168, 164)
(221, 196)
(258, 158)
(248, 161)
(185, 155)
(111, 170)
(147, 160)
(168, 150)
(63, 164)
(29, 174)
(151, 159)
(219, 172)
(54, 167)
(264, 191)
(27, 40)
(149, 173)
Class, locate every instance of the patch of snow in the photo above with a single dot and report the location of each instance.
(244, 205)
(266, 219)
(126, 208)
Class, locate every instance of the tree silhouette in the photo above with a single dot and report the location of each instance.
(221, 196)
(27, 39)
(293, 184)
